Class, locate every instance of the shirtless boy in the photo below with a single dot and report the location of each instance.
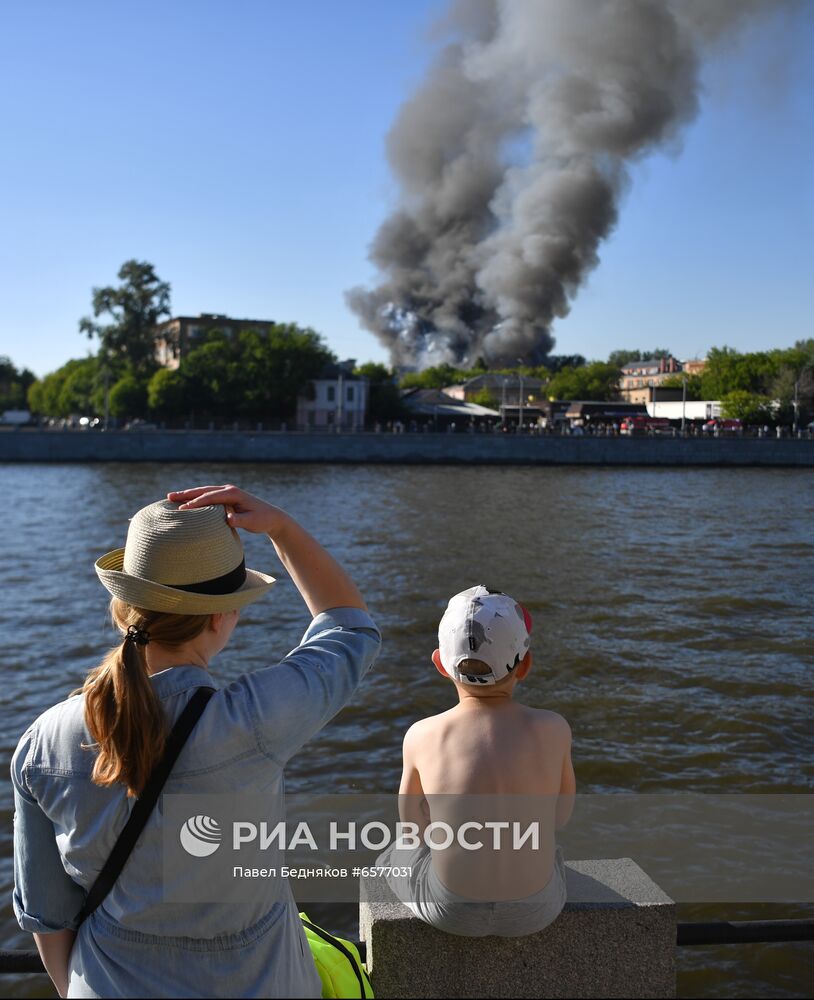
(488, 758)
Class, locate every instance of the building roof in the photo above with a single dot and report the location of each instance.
(331, 372)
(213, 319)
(433, 401)
(656, 365)
(494, 380)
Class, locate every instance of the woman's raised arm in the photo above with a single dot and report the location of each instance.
(320, 579)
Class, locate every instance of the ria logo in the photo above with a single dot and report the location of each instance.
(200, 836)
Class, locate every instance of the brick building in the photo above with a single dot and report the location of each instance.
(639, 378)
(180, 334)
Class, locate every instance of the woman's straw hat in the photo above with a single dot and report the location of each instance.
(189, 562)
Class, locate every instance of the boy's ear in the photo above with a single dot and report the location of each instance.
(523, 667)
(439, 666)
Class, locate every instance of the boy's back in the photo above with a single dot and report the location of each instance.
(490, 746)
(489, 760)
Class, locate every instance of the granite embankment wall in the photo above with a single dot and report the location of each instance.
(434, 449)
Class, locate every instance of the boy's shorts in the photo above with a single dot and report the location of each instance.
(430, 900)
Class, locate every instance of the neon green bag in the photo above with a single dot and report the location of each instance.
(338, 963)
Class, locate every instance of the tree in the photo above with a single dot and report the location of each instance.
(595, 381)
(14, 385)
(253, 376)
(384, 401)
(556, 362)
(212, 372)
(136, 307)
(436, 377)
(727, 370)
(275, 369)
(485, 398)
(677, 382)
(167, 394)
(792, 388)
(128, 397)
(749, 407)
(74, 389)
(375, 372)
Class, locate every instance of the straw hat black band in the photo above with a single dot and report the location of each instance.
(226, 584)
(165, 547)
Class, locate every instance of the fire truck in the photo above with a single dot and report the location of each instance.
(641, 425)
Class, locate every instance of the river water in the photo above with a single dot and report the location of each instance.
(671, 609)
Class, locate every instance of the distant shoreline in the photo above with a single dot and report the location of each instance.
(400, 449)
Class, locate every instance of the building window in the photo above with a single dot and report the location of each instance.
(331, 393)
(350, 394)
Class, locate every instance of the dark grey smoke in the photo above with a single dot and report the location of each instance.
(511, 158)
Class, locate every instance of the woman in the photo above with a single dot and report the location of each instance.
(177, 589)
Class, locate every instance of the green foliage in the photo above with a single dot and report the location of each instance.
(128, 397)
(167, 393)
(749, 407)
(595, 381)
(253, 376)
(441, 376)
(436, 377)
(556, 362)
(14, 386)
(747, 381)
(384, 401)
(693, 384)
(136, 306)
(374, 372)
(74, 389)
(727, 371)
(538, 371)
(485, 398)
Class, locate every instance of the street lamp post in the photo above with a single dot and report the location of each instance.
(106, 363)
(796, 403)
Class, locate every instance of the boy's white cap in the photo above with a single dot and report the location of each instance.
(486, 625)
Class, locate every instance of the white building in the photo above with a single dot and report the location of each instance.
(337, 399)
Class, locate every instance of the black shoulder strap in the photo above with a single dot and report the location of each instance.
(140, 812)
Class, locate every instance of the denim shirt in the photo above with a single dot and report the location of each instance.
(65, 826)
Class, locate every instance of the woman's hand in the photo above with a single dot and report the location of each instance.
(318, 577)
(243, 510)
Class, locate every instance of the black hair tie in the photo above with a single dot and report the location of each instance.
(137, 635)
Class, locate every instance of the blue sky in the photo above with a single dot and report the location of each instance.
(240, 148)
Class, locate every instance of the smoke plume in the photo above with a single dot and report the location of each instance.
(511, 159)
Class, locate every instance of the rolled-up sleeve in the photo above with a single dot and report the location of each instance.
(293, 700)
(46, 898)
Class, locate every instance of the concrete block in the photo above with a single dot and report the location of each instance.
(616, 937)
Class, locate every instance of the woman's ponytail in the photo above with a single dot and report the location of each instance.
(124, 716)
